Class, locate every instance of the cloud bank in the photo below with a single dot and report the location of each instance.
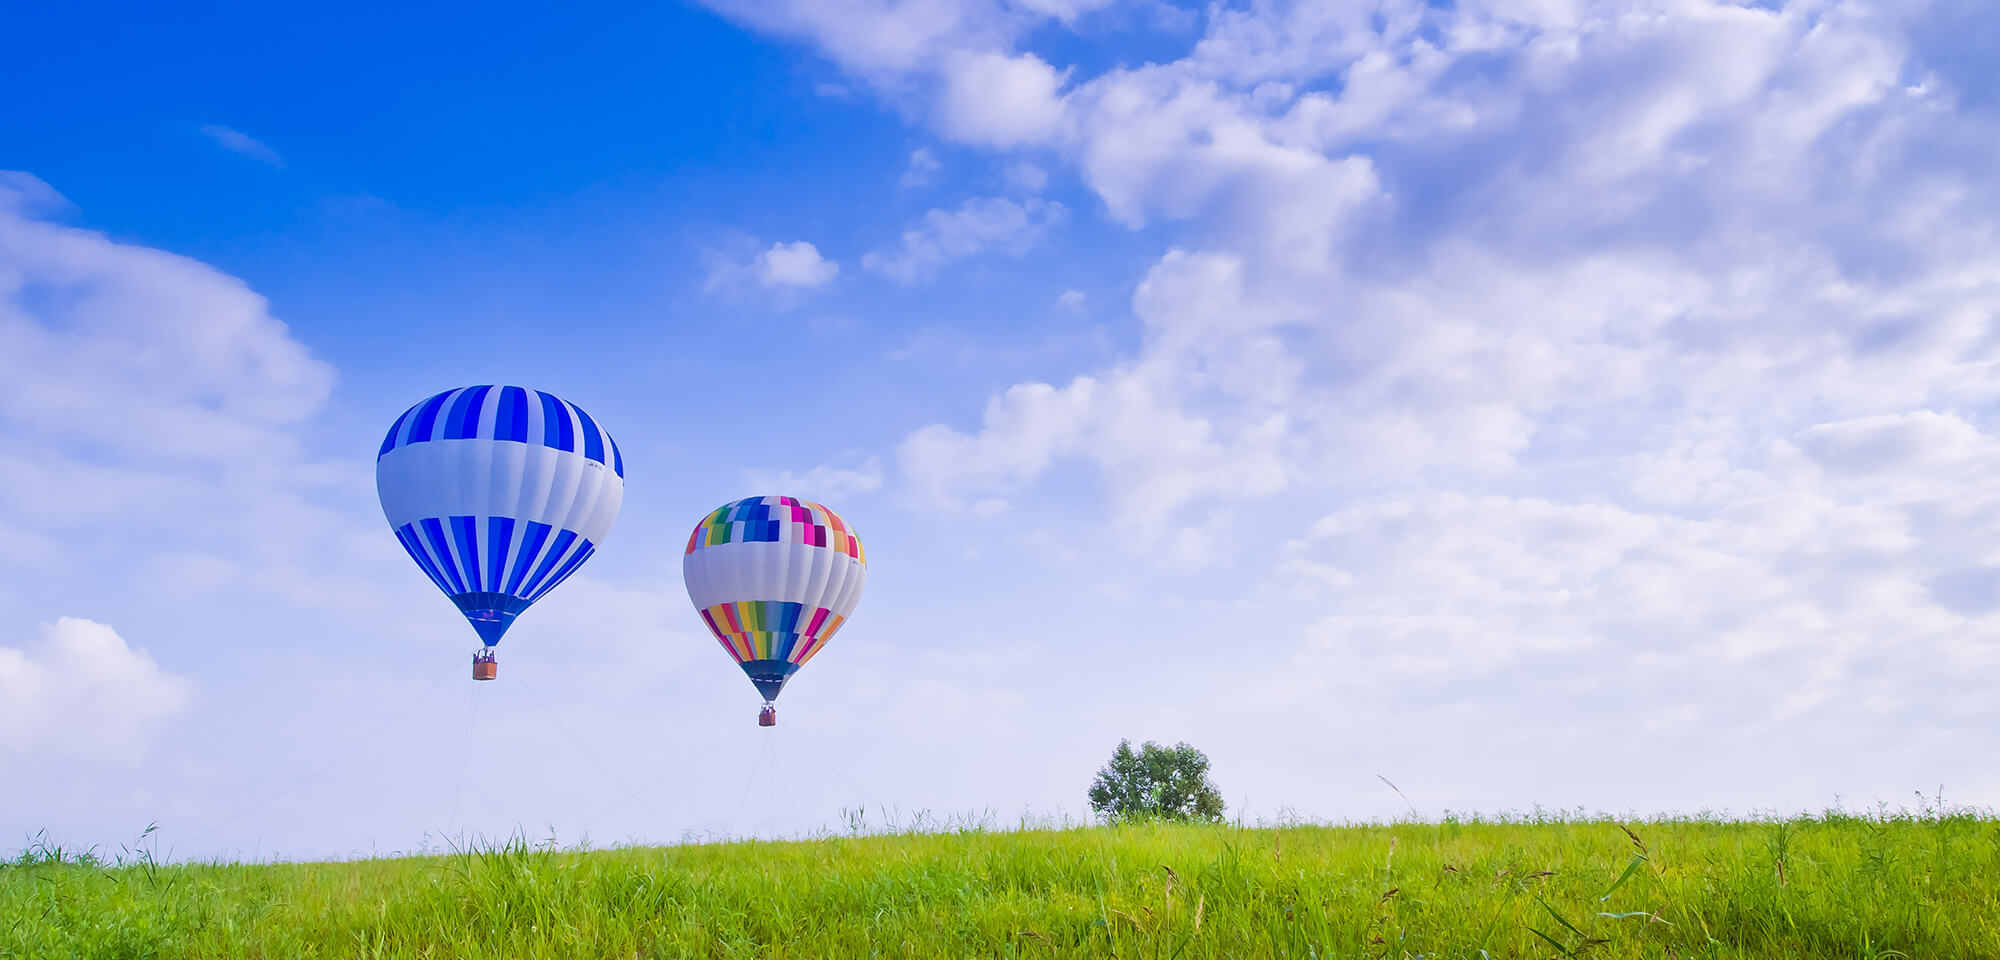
(82, 694)
(1652, 339)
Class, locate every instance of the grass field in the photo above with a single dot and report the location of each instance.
(1831, 886)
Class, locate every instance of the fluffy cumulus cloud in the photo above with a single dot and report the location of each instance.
(795, 264)
(81, 692)
(952, 60)
(1658, 335)
(992, 98)
(781, 272)
(1591, 248)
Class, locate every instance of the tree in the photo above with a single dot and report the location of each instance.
(1155, 782)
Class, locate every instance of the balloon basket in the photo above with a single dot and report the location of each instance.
(484, 667)
(768, 717)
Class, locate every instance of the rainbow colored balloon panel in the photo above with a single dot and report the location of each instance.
(771, 629)
(774, 578)
(776, 520)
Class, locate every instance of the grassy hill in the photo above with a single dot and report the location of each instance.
(1833, 886)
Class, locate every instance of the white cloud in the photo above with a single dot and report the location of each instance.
(1621, 366)
(1888, 442)
(1026, 177)
(1072, 300)
(147, 394)
(236, 141)
(1793, 600)
(83, 693)
(1170, 142)
(978, 225)
(875, 38)
(150, 413)
(821, 482)
(953, 60)
(1000, 100)
(1652, 392)
(1023, 430)
(885, 40)
(1156, 454)
(923, 166)
(152, 472)
(140, 350)
(796, 264)
(1356, 291)
(783, 269)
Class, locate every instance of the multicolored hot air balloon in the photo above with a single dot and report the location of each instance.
(774, 578)
(498, 493)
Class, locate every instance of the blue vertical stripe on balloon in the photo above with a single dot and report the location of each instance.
(389, 442)
(557, 431)
(576, 560)
(586, 552)
(422, 427)
(499, 537)
(531, 550)
(512, 422)
(549, 560)
(408, 535)
(463, 424)
(466, 531)
(434, 533)
(593, 439)
(617, 458)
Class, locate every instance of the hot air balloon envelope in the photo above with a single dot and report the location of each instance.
(774, 578)
(498, 493)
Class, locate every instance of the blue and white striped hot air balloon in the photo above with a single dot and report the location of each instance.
(499, 493)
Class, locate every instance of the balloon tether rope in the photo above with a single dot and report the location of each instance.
(464, 755)
(729, 731)
(336, 761)
(749, 782)
(860, 794)
(602, 767)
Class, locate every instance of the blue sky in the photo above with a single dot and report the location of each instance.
(1574, 403)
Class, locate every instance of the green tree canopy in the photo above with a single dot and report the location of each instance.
(1169, 783)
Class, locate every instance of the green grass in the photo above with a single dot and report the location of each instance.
(1831, 886)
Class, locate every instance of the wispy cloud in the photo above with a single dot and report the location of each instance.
(822, 481)
(978, 225)
(923, 166)
(236, 141)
